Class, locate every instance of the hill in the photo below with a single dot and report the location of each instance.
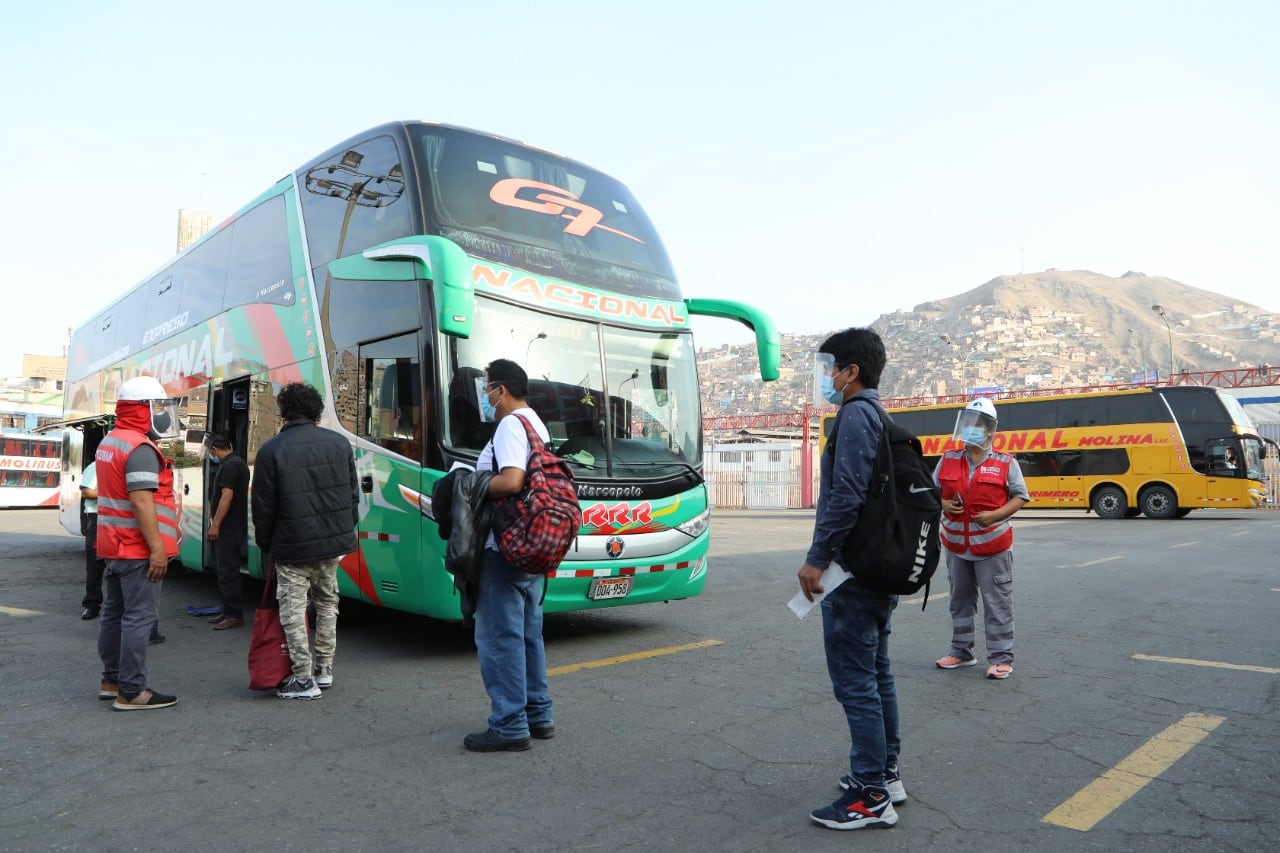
(1048, 329)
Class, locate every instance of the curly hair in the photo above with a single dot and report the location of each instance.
(300, 401)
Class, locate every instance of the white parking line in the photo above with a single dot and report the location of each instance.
(1268, 670)
(1095, 562)
(1186, 544)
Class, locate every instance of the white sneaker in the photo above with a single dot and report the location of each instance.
(323, 673)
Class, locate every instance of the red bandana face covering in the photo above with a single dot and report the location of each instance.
(133, 415)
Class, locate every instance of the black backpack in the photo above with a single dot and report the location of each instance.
(894, 547)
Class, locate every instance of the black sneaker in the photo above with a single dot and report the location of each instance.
(491, 741)
(861, 807)
(892, 783)
(543, 731)
(298, 688)
(144, 701)
(155, 639)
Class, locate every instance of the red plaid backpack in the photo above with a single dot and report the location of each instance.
(535, 528)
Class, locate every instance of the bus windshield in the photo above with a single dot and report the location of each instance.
(619, 403)
(527, 208)
(1235, 410)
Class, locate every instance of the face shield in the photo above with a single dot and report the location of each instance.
(164, 419)
(824, 381)
(974, 428)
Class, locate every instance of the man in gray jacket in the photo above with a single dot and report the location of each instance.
(306, 505)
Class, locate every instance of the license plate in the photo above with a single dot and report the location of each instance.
(605, 588)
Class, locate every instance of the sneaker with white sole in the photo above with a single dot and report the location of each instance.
(892, 784)
(297, 688)
(323, 673)
(144, 700)
(861, 807)
(999, 671)
(954, 662)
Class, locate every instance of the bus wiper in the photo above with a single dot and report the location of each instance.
(693, 472)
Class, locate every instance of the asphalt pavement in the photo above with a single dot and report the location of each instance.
(1143, 713)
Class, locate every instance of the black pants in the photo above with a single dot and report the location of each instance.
(93, 566)
(227, 550)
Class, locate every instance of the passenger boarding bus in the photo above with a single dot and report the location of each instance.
(29, 469)
(388, 272)
(1155, 451)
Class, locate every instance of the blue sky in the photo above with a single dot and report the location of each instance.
(829, 161)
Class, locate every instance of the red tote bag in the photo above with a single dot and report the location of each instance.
(269, 661)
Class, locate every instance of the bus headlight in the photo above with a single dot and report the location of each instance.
(696, 526)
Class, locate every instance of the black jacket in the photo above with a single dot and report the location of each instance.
(306, 498)
(462, 510)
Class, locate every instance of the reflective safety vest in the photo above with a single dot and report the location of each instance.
(119, 536)
(987, 490)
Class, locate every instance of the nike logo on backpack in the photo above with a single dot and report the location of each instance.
(915, 490)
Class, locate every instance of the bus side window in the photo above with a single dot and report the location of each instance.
(390, 399)
(1069, 463)
(1038, 464)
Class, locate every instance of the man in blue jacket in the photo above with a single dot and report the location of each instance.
(306, 505)
(855, 619)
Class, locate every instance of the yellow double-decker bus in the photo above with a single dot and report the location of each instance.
(1155, 451)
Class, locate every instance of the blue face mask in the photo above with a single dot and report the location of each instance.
(975, 435)
(486, 408)
(827, 385)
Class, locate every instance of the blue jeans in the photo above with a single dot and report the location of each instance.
(855, 630)
(129, 611)
(508, 635)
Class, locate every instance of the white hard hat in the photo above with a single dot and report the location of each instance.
(143, 388)
(983, 406)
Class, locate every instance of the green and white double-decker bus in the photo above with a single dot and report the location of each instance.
(388, 272)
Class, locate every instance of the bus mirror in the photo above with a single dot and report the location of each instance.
(447, 267)
(768, 341)
(360, 268)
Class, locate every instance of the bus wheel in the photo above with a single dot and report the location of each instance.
(1183, 512)
(1109, 502)
(1158, 502)
(1132, 512)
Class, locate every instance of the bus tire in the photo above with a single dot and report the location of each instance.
(1183, 512)
(1158, 502)
(1132, 512)
(1109, 502)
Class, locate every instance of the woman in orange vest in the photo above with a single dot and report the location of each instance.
(981, 490)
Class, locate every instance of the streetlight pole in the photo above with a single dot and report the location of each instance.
(1158, 310)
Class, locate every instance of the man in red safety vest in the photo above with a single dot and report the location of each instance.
(981, 490)
(137, 536)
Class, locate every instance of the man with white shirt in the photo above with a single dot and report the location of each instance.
(508, 633)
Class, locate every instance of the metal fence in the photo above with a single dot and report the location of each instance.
(754, 475)
(1271, 465)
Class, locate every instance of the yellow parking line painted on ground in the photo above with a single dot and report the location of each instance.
(18, 611)
(1109, 791)
(1186, 544)
(933, 597)
(653, 653)
(1211, 663)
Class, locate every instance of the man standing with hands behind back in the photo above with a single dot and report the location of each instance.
(229, 529)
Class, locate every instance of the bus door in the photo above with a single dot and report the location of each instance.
(1224, 473)
(390, 415)
(228, 412)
